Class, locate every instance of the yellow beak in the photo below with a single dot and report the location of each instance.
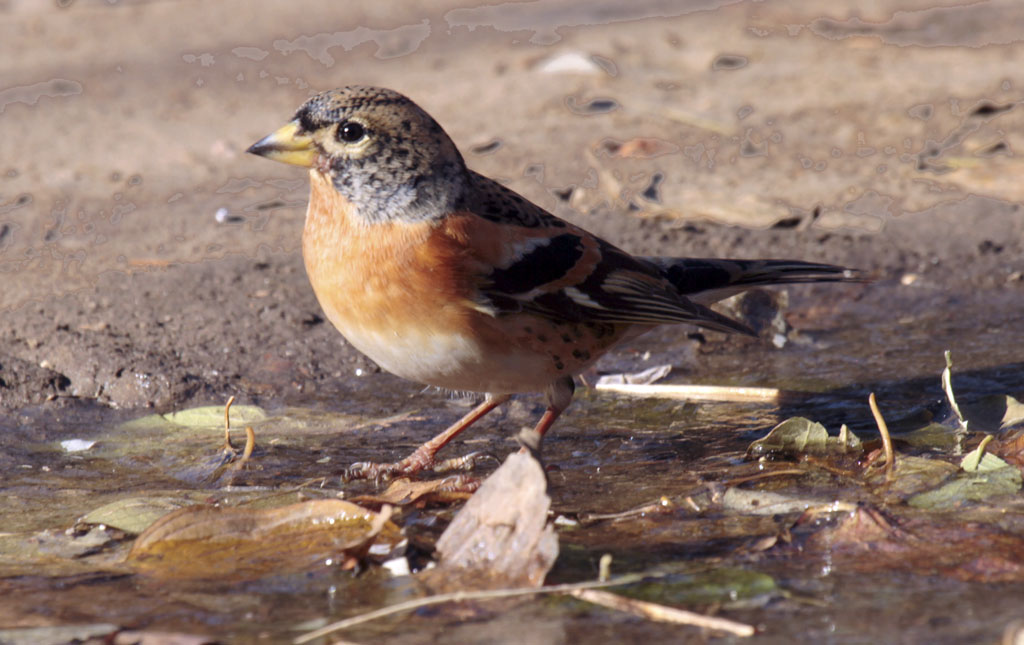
(287, 146)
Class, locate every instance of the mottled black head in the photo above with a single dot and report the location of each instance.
(383, 152)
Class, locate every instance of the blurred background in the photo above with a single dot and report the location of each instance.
(123, 122)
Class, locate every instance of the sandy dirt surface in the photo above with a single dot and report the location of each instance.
(881, 135)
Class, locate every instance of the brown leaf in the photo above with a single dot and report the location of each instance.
(501, 538)
(1011, 448)
(404, 491)
(868, 541)
(798, 436)
(245, 543)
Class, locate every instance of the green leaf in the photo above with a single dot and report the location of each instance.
(984, 476)
(798, 435)
(213, 415)
(933, 435)
(979, 461)
(134, 514)
(913, 475)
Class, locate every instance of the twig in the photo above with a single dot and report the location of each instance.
(250, 444)
(605, 568)
(663, 505)
(883, 429)
(662, 613)
(820, 462)
(227, 424)
(571, 588)
(974, 458)
(983, 445)
(765, 475)
(947, 387)
(697, 392)
(459, 596)
(844, 437)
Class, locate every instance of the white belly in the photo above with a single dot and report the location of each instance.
(452, 361)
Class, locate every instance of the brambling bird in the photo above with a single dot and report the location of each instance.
(445, 277)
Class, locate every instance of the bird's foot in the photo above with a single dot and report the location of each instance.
(411, 465)
(458, 484)
(464, 463)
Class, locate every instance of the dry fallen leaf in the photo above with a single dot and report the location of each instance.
(798, 436)
(404, 491)
(501, 537)
(244, 543)
(866, 540)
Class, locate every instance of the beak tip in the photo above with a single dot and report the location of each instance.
(286, 145)
(261, 147)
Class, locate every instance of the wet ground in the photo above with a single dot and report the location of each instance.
(150, 266)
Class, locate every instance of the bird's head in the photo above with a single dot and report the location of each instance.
(379, 149)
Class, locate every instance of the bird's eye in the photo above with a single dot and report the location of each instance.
(350, 132)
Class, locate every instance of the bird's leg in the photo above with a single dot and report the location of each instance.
(424, 456)
(558, 397)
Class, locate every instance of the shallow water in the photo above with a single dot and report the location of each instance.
(607, 455)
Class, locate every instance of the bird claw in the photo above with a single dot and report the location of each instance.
(459, 484)
(378, 472)
(382, 473)
(463, 463)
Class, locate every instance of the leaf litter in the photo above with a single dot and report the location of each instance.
(805, 494)
(848, 531)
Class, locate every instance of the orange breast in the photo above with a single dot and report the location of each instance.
(397, 291)
(376, 274)
(403, 294)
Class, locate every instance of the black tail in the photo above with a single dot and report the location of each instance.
(709, 280)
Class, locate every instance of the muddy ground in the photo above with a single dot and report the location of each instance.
(879, 139)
